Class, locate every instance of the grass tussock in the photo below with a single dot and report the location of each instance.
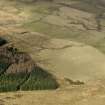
(37, 80)
(40, 80)
(10, 82)
(19, 72)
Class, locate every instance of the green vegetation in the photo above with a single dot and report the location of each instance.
(3, 64)
(40, 80)
(3, 67)
(11, 82)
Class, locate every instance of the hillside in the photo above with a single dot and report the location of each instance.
(66, 38)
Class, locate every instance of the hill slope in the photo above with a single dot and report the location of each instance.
(66, 37)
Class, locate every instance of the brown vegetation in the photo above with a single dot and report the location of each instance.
(18, 61)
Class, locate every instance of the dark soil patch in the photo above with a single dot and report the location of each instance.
(2, 41)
